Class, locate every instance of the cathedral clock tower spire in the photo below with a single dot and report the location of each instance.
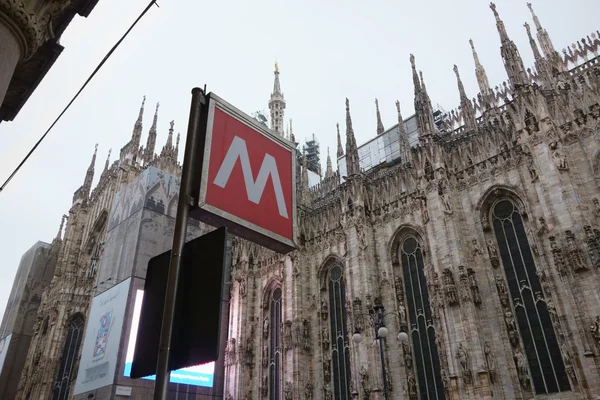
(277, 104)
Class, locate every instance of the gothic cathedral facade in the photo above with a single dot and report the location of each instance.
(480, 240)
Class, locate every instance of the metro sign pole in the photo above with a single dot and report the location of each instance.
(194, 140)
(224, 148)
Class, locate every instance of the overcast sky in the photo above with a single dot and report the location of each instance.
(327, 51)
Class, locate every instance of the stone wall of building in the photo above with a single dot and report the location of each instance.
(33, 276)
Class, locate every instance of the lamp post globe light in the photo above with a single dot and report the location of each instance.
(381, 332)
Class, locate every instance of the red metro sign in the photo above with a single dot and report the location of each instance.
(248, 180)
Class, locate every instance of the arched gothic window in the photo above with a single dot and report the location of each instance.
(275, 346)
(533, 319)
(427, 360)
(340, 353)
(64, 377)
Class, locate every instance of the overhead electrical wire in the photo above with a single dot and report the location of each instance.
(106, 57)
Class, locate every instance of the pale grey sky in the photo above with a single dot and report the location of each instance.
(327, 51)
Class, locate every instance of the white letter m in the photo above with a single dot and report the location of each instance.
(254, 189)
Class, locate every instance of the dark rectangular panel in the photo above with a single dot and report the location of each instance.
(197, 322)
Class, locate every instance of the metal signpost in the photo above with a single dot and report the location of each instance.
(238, 174)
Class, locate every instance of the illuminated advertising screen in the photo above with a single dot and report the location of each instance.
(200, 375)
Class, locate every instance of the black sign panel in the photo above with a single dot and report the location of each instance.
(197, 319)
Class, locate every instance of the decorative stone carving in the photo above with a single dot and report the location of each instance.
(522, 370)
(288, 391)
(543, 226)
(511, 326)
(388, 377)
(595, 331)
(502, 292)
(312, 302)
(493, 253)
(475, 250)
(325, 338)
(287, 335)
(399, 286)
(266, 328)
(361, 236)
(308, 390)
(359, 317)
(575, 254)
(323, 310)
(560, 161)
(424, 211)
(327, 367)
(249, 350)
(450, 287)
(445, 382)
(230, 351)
(596, 207)
(306, 335)
(364, 382)
(265, 385)
(489, 361)
(402, 314)
(557, 256)
(533, 242)
(242, 287)
(465, 365)
(445, 200)
(532, 171)
(327, 392)
(408, 359)
(265, 355)
(411, 386)
(33, 21)
(463, 279)
(474, 287)
(593, 244)
(566, 355)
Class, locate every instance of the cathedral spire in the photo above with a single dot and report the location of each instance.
(277, 104)
(60, 229)
(151, 142)
(352, 164)
(340, 149)
(329, 170)
(542, 35)
(137, 127)
(553, 60)
(177, 145)
(304, 178)
(510, 54)
(380, 128)
(540, 64)
(423, 107)
(89, 176)
(169, 143)
(482, 79)
(405, 152)
(107, 163)
(466, 107)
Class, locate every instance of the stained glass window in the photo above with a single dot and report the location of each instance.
(533, 319)
(275, 347)
(340, 353)
(66, 371)
(425, 352)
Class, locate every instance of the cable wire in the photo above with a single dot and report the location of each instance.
(106, 57)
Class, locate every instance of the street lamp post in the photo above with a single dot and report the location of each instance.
(381, 332)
